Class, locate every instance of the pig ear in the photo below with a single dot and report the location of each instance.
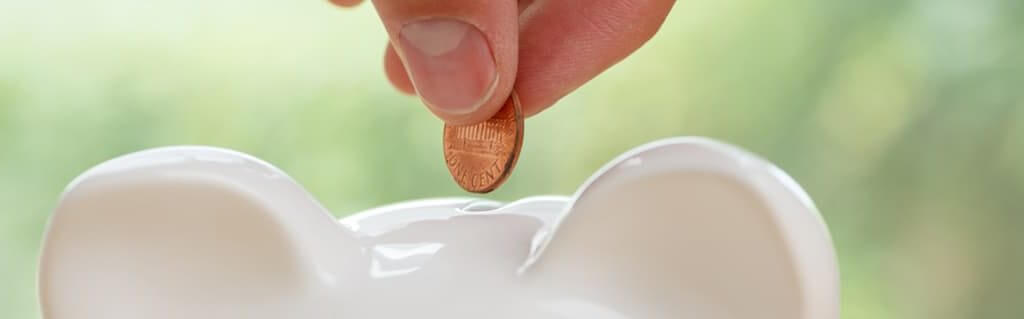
(692, 226)
(189, 233)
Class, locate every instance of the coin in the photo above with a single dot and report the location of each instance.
(481, 156)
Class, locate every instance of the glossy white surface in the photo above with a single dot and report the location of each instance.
(679, 228)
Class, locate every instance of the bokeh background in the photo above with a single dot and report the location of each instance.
(903, 119)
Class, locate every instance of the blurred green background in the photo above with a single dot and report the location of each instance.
(904, 120)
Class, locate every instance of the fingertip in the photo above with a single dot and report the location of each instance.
(485, 112)
(458, 56)
(396, 71)
(346, 3)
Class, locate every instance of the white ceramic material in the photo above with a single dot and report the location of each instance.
(679, 228)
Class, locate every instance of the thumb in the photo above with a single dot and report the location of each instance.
(460, 55)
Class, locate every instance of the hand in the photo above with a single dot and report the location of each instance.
(463, 57)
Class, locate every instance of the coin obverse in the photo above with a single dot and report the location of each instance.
(481, 156)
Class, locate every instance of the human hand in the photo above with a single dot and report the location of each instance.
(463, 57)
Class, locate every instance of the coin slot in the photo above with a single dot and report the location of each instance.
(481, 206)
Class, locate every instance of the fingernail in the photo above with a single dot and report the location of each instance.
(450, 64)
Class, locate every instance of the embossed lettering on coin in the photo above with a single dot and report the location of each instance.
(481, 156)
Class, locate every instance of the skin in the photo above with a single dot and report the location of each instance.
(545, 49)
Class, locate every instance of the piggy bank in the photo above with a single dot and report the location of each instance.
(678, 228)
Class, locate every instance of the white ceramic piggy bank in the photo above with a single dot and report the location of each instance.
(679, 228)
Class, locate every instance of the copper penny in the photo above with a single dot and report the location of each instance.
(481, 156)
